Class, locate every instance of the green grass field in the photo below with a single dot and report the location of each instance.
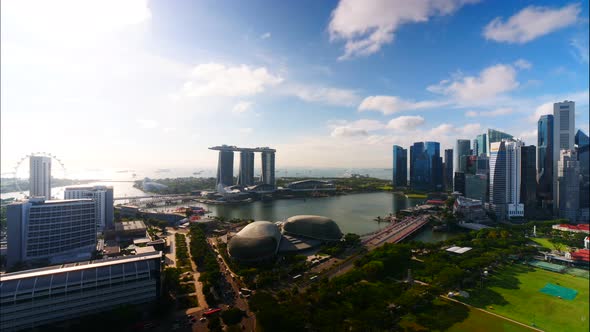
(514, 293)
(546, 243)
(481, 322)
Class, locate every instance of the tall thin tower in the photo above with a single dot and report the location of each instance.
(563, 138)
(40, 177)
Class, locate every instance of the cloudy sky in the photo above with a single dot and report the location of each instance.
(135, 84)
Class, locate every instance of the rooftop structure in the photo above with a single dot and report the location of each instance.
(257, 241)
(313, 227)
(459, 250)
(39, 297)
(581, 228)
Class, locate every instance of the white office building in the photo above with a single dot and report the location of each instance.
(53, 231)
(36, 298)
(102, 197)
(505, 178)
(514, 178)
(40, 177)
(563, 137)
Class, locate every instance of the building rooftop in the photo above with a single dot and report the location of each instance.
(235, 148)
(126, 226)
(80, 265)
(459, 250)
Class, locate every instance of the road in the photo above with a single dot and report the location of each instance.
(249, 322)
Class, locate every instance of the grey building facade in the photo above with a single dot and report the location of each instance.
(563, 138)
(246, 174)
(50, 230)
(40, 177)
(268, 167)
(103, 198)
(462, 147)
(36, 298)
(225, 168)
(568, 185)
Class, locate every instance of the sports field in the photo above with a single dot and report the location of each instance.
(514, 292)
(482, 322)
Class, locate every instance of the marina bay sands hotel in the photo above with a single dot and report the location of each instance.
(225, 165)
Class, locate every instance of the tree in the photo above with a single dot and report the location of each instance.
(557, 246)
(232, 316)
(352, 239)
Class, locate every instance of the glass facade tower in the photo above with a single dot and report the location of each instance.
(400, 166)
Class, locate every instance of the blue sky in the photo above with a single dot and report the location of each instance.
(138, 84)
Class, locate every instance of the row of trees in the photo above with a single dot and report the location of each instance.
(206, 262)
(372, 296)
(182, 258)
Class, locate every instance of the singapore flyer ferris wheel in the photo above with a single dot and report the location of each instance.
(21, 173)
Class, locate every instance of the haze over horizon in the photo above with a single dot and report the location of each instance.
(152, 84)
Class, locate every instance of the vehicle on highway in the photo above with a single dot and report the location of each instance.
(313, 278)
(211, 312)
(297, 277)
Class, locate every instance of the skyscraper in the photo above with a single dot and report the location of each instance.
(568, 185)
(448, 169)
(103, 199)
(505, 178)
(425, 166)
(400, 166)
(583, 147)
(563, 136)
(435, 165)
(495, 136)
(225, 168)
(514, 178)
(246, 174)
(497, 196)
(545, 160)
(462, 147)
(50, 230)
(40, 176)
(268, 167)
(528, 183)
(481, 147)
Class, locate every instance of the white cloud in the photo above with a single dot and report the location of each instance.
(491, 82)
(342, 128)
(348, 132)
(242, 107)
(324, 95)
(580, 49)
(522, 64)
(148, 123)
(393, 104)
(531, 22)
(447, 129)
(265, 35)
(71, 22)
(405, 122)
(493, 113)
(246, 131)
(214, 79)
(367, 25)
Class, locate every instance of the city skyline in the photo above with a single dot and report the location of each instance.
(319, 87)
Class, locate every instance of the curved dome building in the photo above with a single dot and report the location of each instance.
(257, 241)
(313, 227)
